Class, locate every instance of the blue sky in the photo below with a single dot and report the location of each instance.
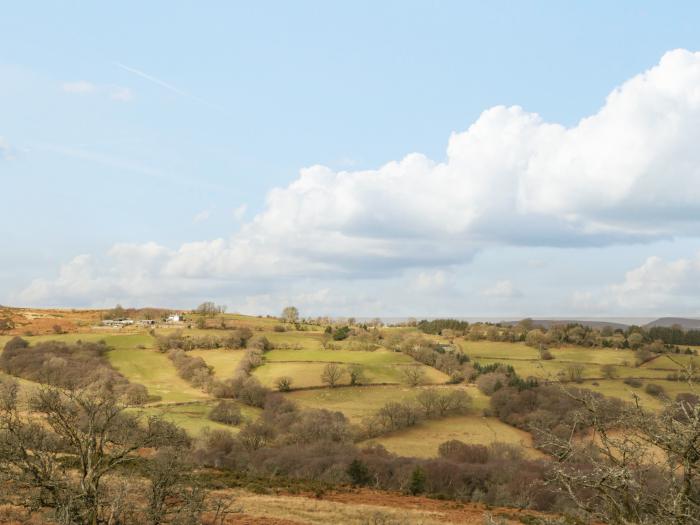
(141, 145)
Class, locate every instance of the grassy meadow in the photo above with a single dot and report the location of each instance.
(424, 439)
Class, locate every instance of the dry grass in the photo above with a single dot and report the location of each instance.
(322, 512)
(424, 439)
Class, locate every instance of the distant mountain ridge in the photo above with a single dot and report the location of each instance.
(548, 323)
(685, 322)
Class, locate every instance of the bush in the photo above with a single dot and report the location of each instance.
(608, 371)
(633, 382)
(226, 412)
(417, 483)
(341, 333)
(456, 450)
(546, 355)
(356, 374)
(260, 342)
(136, 394)
(284, 383)
(60, 364)
(358, 472)
(491, 382)
(654, 390)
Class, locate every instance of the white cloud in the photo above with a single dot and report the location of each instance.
(239, 212)
(655, 286)
(201, 216)
(80, 87)
(628, 173)
(434, 281)
(502, 290)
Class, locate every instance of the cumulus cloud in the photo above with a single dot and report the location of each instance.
(628, 173)
(502, 290)
(657, 285)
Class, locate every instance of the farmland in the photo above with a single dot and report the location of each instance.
(301, 356)
(383, 375)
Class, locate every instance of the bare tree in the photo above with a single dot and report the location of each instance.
(87, 424)
(332, 374)
(413, 375)
(290, 314)
(638, 467)
(210, 309)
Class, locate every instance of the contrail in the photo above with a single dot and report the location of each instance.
(165, 85)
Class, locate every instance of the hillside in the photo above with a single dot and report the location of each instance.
(668, 322)
(399, 398)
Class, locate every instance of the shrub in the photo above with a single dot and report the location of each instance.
(608, 371)
(341, 333)
(260, 342)
(633, 382)
(491, 382)
(60, 364)
(574, 373)
(226, 412)
(546, 355)
(456, 450)
(417, 482)
(358, 472)
(284, 383)
(654, 390)
(356, 374)
(136, 394)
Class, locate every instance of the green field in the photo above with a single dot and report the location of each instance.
(377, 357)
(359, 402)
(307, 340)
(424, 439)
(308, 374)
(225, 362)
(193, 417)
(156, 372)
(303, 358)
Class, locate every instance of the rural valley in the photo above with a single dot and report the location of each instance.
(280, 414)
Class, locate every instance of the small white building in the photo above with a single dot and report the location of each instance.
(175, 318)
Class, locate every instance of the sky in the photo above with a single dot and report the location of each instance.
(432, 158)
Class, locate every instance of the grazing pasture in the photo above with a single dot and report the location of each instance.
(424, 439)
(377, 358)
(194, 417)
(359, 402)
(156, 372)
(224, 361)
(308, 374)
